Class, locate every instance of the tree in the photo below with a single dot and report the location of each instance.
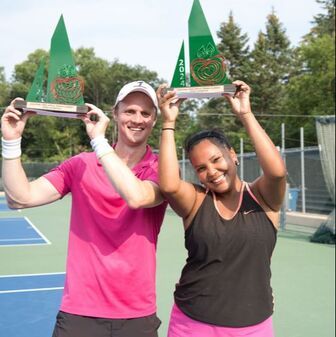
(324, 23)
(234, 46)
(24, 73)
(4, 88)
(95, 71)
(217, 114)
(270, 67)
(50, 139)
(311, 89)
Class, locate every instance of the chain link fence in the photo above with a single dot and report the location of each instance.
(313, 186)
(316, 196)
(317, 199)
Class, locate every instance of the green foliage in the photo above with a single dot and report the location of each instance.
(234, 46)
(25, 71)
(51, 139)
(284, 81)
(311, 87)
(265, 68)
(324, 22)
(24, 74)
(312, 91)
(270, 66)
(217, 114)
(185, 125)
(4, 88)
(94, 71)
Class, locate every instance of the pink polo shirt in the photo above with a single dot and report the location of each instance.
(111, 262)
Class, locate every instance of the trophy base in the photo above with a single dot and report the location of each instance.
(206, 91)
(52, 109)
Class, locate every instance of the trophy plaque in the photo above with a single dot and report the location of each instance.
(63, 96)
(209, 75)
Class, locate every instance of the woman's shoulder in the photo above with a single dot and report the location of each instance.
(201, 193)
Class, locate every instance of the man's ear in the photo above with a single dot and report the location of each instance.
(114, 114)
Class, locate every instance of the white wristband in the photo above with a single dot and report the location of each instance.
(11, 149)
(101, 146)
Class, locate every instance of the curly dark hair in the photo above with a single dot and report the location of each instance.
(215, 135)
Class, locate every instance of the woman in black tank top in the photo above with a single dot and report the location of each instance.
(230, 226)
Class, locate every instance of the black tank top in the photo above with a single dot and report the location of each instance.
(226, 279)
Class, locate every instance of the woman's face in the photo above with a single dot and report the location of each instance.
(215, 165)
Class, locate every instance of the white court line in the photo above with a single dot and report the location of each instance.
(29, 290)
(38, 231)
(33, 239)
(32, 289)
(24, 245)
(46, 241)
(39, 274)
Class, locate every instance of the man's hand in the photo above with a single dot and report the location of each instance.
(97, 127)
(13, 121)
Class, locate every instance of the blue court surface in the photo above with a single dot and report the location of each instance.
(29, 304)
(20, 231)
(4, 207)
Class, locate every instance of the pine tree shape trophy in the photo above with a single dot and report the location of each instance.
(209, 76)
(64, 94)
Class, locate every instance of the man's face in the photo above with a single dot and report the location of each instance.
(135, 116)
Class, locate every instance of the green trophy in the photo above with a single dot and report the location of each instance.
(209, 76)
(63, 96)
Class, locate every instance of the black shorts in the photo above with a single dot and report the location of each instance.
(69, 325)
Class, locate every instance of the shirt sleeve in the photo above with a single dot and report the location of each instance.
(61, 176)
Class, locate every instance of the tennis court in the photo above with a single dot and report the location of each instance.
(32, 277)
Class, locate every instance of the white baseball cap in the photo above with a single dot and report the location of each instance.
(140, 86)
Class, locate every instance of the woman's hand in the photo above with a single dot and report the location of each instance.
(169, 104)
(240, 102)
(98, 126)
(13, 121)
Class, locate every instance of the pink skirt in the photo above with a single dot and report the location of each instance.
(181, 325)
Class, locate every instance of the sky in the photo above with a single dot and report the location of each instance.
(137, 32)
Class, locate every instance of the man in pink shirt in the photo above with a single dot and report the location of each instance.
(116, 215)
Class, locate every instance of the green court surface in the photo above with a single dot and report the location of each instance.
(303, 277)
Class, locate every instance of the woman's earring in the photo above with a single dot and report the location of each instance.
(237, 163)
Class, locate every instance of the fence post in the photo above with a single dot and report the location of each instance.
(241, 158)
(283, 210)
(283, 147)
(303, 184)
(183, 164)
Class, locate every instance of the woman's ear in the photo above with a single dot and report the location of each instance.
(233, 156)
